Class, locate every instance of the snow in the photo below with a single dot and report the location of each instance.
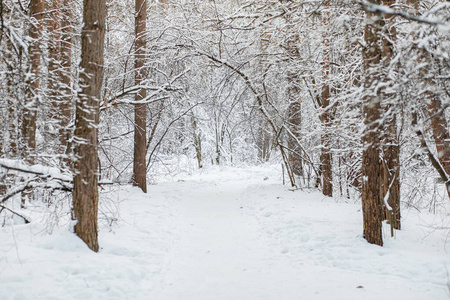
(227, 233)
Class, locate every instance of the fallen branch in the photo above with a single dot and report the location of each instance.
(15, 213)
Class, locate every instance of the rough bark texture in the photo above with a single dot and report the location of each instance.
(60, 64)
(65, 81)
(391, 145)
(37, 8)
(140, 110)
(325, 156)
(325, 118)
(295, 108)
(11, 147)
(391, 180)
(85, 192)
(371, 192)
(53, 8)
(295, 123)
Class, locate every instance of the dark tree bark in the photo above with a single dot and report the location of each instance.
(294, 111)
(65, 81)
(325, 156)
(391, 147)
(85, 185)
(60, 64)
(53, 8)
(371, 192)
(295, 123)
(12, 146)
(391, 172)
(37, 8)
(325, 118)
(140, 110)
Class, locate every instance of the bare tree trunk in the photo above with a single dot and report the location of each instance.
(53, 8)
(60, 64)
(294, 111)
(140, 110)
(264, 140)
(391, 166)
(325, 157)
(197, 141)
(85, 182)
(391, 147)
(66, 97)
(37, 8)
(295, 123)
(371, 192)
(12, 147)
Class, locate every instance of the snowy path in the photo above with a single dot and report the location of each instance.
(231, 234)
(221, 254)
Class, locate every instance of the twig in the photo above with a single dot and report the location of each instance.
(15, 213)
(374, 8)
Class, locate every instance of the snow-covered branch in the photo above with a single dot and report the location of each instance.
(382, 9)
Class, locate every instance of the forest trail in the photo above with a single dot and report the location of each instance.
(224, 234)
(243, 235)
(221, 253)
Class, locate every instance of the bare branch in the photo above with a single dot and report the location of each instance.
(381, 9)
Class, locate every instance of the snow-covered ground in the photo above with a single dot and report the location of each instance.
(227, 233)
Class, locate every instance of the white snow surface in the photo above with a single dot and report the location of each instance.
(227, 233)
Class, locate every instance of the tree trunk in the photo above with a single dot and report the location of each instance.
(53, 8)
(197, 140)
(12, 145)
(65, 81)
(371, 192)
(295, 123)
(325, 157)
(37, 8)
(85, 182)
(294, 111)
(140, 110)
(60, 63)
(391, 146)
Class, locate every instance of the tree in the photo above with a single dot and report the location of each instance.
(325, 117)
(59, 68)
(371, 196)
(37, 8)
(390, 166)
(85, 182)
(65, 74)
(140, 110)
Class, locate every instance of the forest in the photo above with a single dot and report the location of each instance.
(348, 99)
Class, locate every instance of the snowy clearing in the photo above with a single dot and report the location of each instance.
(227, 233)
